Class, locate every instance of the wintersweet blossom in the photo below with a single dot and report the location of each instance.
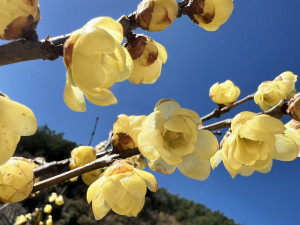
(48, 208)
(125, 131)
(17, 16)
(225, 93)
(16, 120)
(148, 57)
(253, 144)
(156, 15)
(270, 93)
(170, 138)
(294, 107)
(83, 155)
(95, 60)
(16, 180)
(121, 188)
(215, 13)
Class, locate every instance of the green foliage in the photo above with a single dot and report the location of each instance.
(46, 143)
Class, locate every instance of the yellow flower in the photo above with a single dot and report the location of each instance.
(126, 130)
(52, 197)
(121, 188)
(170, 138)
(16, 180)
(59, 200)
(270, 93)
(253, 144)
(294, 125)
(16, 120)
(156, 15)
(95, 60)
(48, 208)
(225, 93)
(17, 16)
(81, 156)
(215, 13)
(49, 221)
(148, 57)
(20, 220)
(294, 107)
(289, 78)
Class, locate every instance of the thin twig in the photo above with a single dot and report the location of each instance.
(221, 110)
(94, 130)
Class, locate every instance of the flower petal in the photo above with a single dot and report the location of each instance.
(285, 148)
(17, 117)
(73, 96)
(194, 167)
(103, 97)
(206, 145)
(161, 166)
(150, 180)
(8, 144)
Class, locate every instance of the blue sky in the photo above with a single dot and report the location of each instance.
(260, 41)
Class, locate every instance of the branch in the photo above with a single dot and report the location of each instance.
(51, 49)
(224, 109)
(277, 111)
(99, 163)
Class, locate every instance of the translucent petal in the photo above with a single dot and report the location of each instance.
(125, 63)
(187, 113)
(167, 107)
(73, 96)
(94, 189)
(177, 124)
(162, 52)
(150, 180)
(8, 144)
(216, 159)
(113, 191)
(104, 97)
(113, 27)
(194, 167)
(285, 148)
(135, 185)
(100, 207)
(246, 171)
(145, 74)
(267, 168)
(207, 144)
(161, 166)
(266, 122)
(241, 118)
(17, 117)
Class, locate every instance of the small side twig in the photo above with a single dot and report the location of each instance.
(221, 110)
(94, 130)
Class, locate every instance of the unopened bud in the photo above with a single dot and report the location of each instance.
(18, 18)
(156, 15)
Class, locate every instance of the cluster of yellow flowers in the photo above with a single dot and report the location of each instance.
(270, 93)
(96, 60)
(254, 141)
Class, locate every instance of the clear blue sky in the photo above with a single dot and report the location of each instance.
(260, 41)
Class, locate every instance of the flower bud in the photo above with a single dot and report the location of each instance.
(225, 93)
(294, 107)
(126, 130)
(83, 155)
(18, 18)
(214, 13)
(148, 57)
(156, 15)
(59, 200)
(20, 220)
(16, 180)
(49, 221)
(52, 197)
(48, 208)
